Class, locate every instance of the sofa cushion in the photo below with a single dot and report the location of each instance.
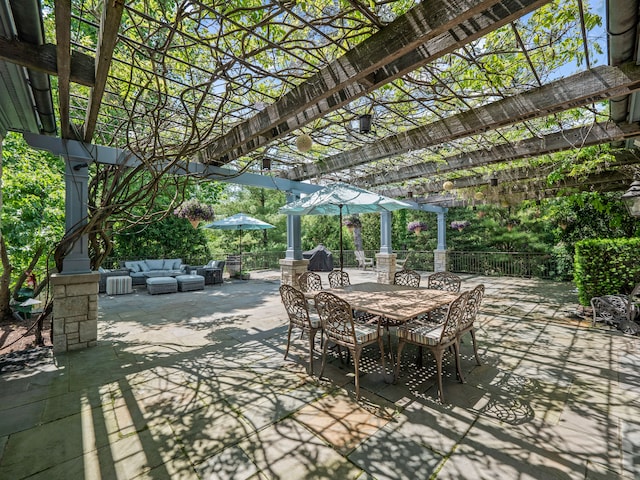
(155, 264)
(143, 266)
(133, 266)
(172, 264)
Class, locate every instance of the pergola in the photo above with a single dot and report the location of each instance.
(396, 96)
(455, 90)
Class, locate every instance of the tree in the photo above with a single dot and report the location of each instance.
(32, 215)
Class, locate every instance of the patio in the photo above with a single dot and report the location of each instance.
(194, 385)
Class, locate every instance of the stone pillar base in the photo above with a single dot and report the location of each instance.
(439, 260)
(75, 311)
(386, 267)
(290, 270)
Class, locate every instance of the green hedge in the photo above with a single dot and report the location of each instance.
(606, 266)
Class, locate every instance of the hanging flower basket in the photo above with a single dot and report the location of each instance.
(352, 222)
(416, 227)
(195, 211)
(460, 224)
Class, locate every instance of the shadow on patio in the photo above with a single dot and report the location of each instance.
(194, 385)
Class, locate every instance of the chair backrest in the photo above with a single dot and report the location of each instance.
(359, 256)
(336, 317)
(611, 308)
(296, 306)
(472, 306)
(338, 279)
(447, 281)
(408, 278)
(455, 316)
(310, 282)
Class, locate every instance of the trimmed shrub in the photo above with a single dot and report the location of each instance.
(606, 267)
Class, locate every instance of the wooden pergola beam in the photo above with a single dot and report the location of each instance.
(108, 36)
(63, 58)
(426, 32)
(533, 182)
(43, 58)
(595, 134)
(581, 89)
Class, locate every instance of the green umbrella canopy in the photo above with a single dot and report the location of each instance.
(342, 199)
(240, 221)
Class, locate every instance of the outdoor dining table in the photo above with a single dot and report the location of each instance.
(395, 302)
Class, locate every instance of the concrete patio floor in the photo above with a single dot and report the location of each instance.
(194, 385)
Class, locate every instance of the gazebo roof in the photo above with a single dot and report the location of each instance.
(459, 91)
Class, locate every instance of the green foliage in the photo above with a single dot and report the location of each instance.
(260, 203)
(606, 267)
(33, 202)
(171, 237)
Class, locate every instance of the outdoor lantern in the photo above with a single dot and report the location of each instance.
(493, 180)
(448, 185)
(266, 163)
(365, 123)
(304, 142)
(409, 194)
(631, 199)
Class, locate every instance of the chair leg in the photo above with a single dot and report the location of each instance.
(312, 339)
(456, 351)
(475, 346)
(396, 372)
(286, 352)
(356, 366)
(381, 346)
(438, 354)
(324, 358)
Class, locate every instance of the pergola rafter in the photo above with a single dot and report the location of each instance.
(583, 88)
(578, 137)
(425, 33)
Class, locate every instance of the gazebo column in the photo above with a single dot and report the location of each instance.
(440, 254)
(75, 289)
(385, 259)
(292, 265)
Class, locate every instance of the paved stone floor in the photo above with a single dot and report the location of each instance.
(194, 385)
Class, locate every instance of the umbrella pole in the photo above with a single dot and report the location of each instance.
(240, 249)
(340, 207)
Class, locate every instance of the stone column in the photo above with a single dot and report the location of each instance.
(75, 311)
(290, 270)
(385, 267)
(439, 260)
(440, 255)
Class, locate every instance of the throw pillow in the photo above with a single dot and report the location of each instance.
(143, 266)
(133, 266)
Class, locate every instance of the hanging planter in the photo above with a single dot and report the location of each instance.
(195, 211)
(460, 224)
(416, 227)
(352, 222)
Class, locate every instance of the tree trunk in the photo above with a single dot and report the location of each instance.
(357, 238)
(5, 280)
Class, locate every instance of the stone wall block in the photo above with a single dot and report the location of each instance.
(88, 331)
(71, 327)
(75, 311)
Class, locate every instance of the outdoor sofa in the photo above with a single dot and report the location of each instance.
(140, 270)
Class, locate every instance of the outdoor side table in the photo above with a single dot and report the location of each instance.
(211, 275)
(119, 285)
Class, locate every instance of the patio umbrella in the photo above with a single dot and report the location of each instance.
(240, 221)
(342, 199)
